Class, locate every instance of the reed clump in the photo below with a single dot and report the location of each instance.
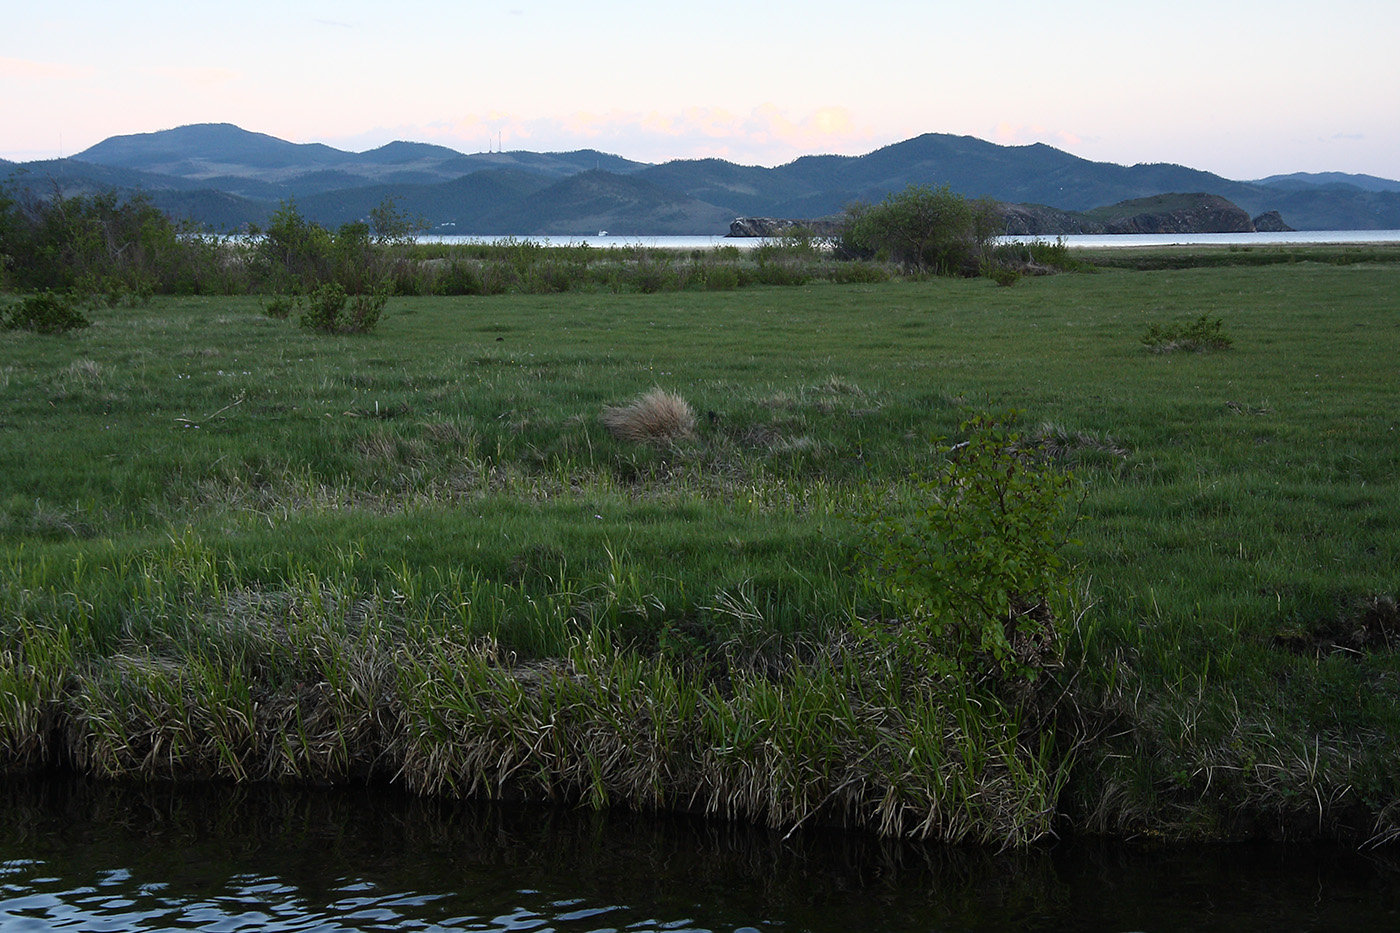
(296, 689)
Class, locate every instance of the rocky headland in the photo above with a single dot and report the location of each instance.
(1167, 213)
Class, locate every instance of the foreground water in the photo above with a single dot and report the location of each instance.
(79, 855)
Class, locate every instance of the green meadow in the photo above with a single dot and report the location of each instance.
(232, 548)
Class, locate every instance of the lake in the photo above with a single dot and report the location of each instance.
(83, 855)
(603, 241)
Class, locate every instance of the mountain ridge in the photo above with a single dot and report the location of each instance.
(247, 174)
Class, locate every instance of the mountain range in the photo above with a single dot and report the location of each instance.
(226, 178)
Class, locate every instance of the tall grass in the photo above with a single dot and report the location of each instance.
(318, 682)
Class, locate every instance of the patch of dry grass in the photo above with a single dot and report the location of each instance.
(658, 417)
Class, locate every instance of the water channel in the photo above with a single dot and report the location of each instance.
(81, 855)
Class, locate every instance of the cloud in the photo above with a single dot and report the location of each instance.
(765, 134)
(26, 70)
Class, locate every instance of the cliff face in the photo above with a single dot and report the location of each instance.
(777, 226)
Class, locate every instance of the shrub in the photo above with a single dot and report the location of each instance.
(326, 310)
(923, 228)
(973, 564)
(658, 417)
(45, 313)
(1056, 255)
(280, 307)
(365, 312)
(293, 250)
(1199, 335)
(1003, 276)
(781, 273)
(458, 277)
(721, 278)
(120, 247)
(650, 277)
(857, 273)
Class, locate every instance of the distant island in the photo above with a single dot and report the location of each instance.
(1165, 213)
(226, 178)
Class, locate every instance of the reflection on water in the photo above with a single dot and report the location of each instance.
(85, 856)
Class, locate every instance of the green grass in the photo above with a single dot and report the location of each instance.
(191, 481)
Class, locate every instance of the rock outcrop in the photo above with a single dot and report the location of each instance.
(1169, 213)
(1039, 220)
(1211, 214)
(777, 226)
(1271, 222)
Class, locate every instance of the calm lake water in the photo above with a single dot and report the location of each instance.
(79, 855)
(1127, 239)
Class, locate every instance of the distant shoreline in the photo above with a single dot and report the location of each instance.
(1074, 241)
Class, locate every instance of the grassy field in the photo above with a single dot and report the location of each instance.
(234, 548)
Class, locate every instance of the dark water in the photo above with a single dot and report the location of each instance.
(78, 855)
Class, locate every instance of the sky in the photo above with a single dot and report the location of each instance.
(1241, 88)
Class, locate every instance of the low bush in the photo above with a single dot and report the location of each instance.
(857, 272)
(1004, 276)
(44, 313)
(280, 307)
(1197, 336)
(324, 308)
(365, 311)
(721, 278)
(972, 566)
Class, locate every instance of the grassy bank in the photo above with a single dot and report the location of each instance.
(237, 548)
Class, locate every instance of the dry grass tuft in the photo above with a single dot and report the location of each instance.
(658, 417)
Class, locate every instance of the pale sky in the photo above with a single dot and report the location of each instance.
(1242, 88)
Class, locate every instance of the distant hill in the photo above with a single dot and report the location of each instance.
(459, 204)
(1329, 179)
(211, 149)
(226, 176)
(74, 177)
(585, 203)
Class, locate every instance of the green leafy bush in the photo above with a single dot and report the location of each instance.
(325, 308)
(973, 564)
(280, 307)
(1003, 276)
(720, 278)
(329, 310)
(365, 312)
(45, 313)
(856, 273)
(922, 228)
(1199, 335)
(121, 248)
(292, 250)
